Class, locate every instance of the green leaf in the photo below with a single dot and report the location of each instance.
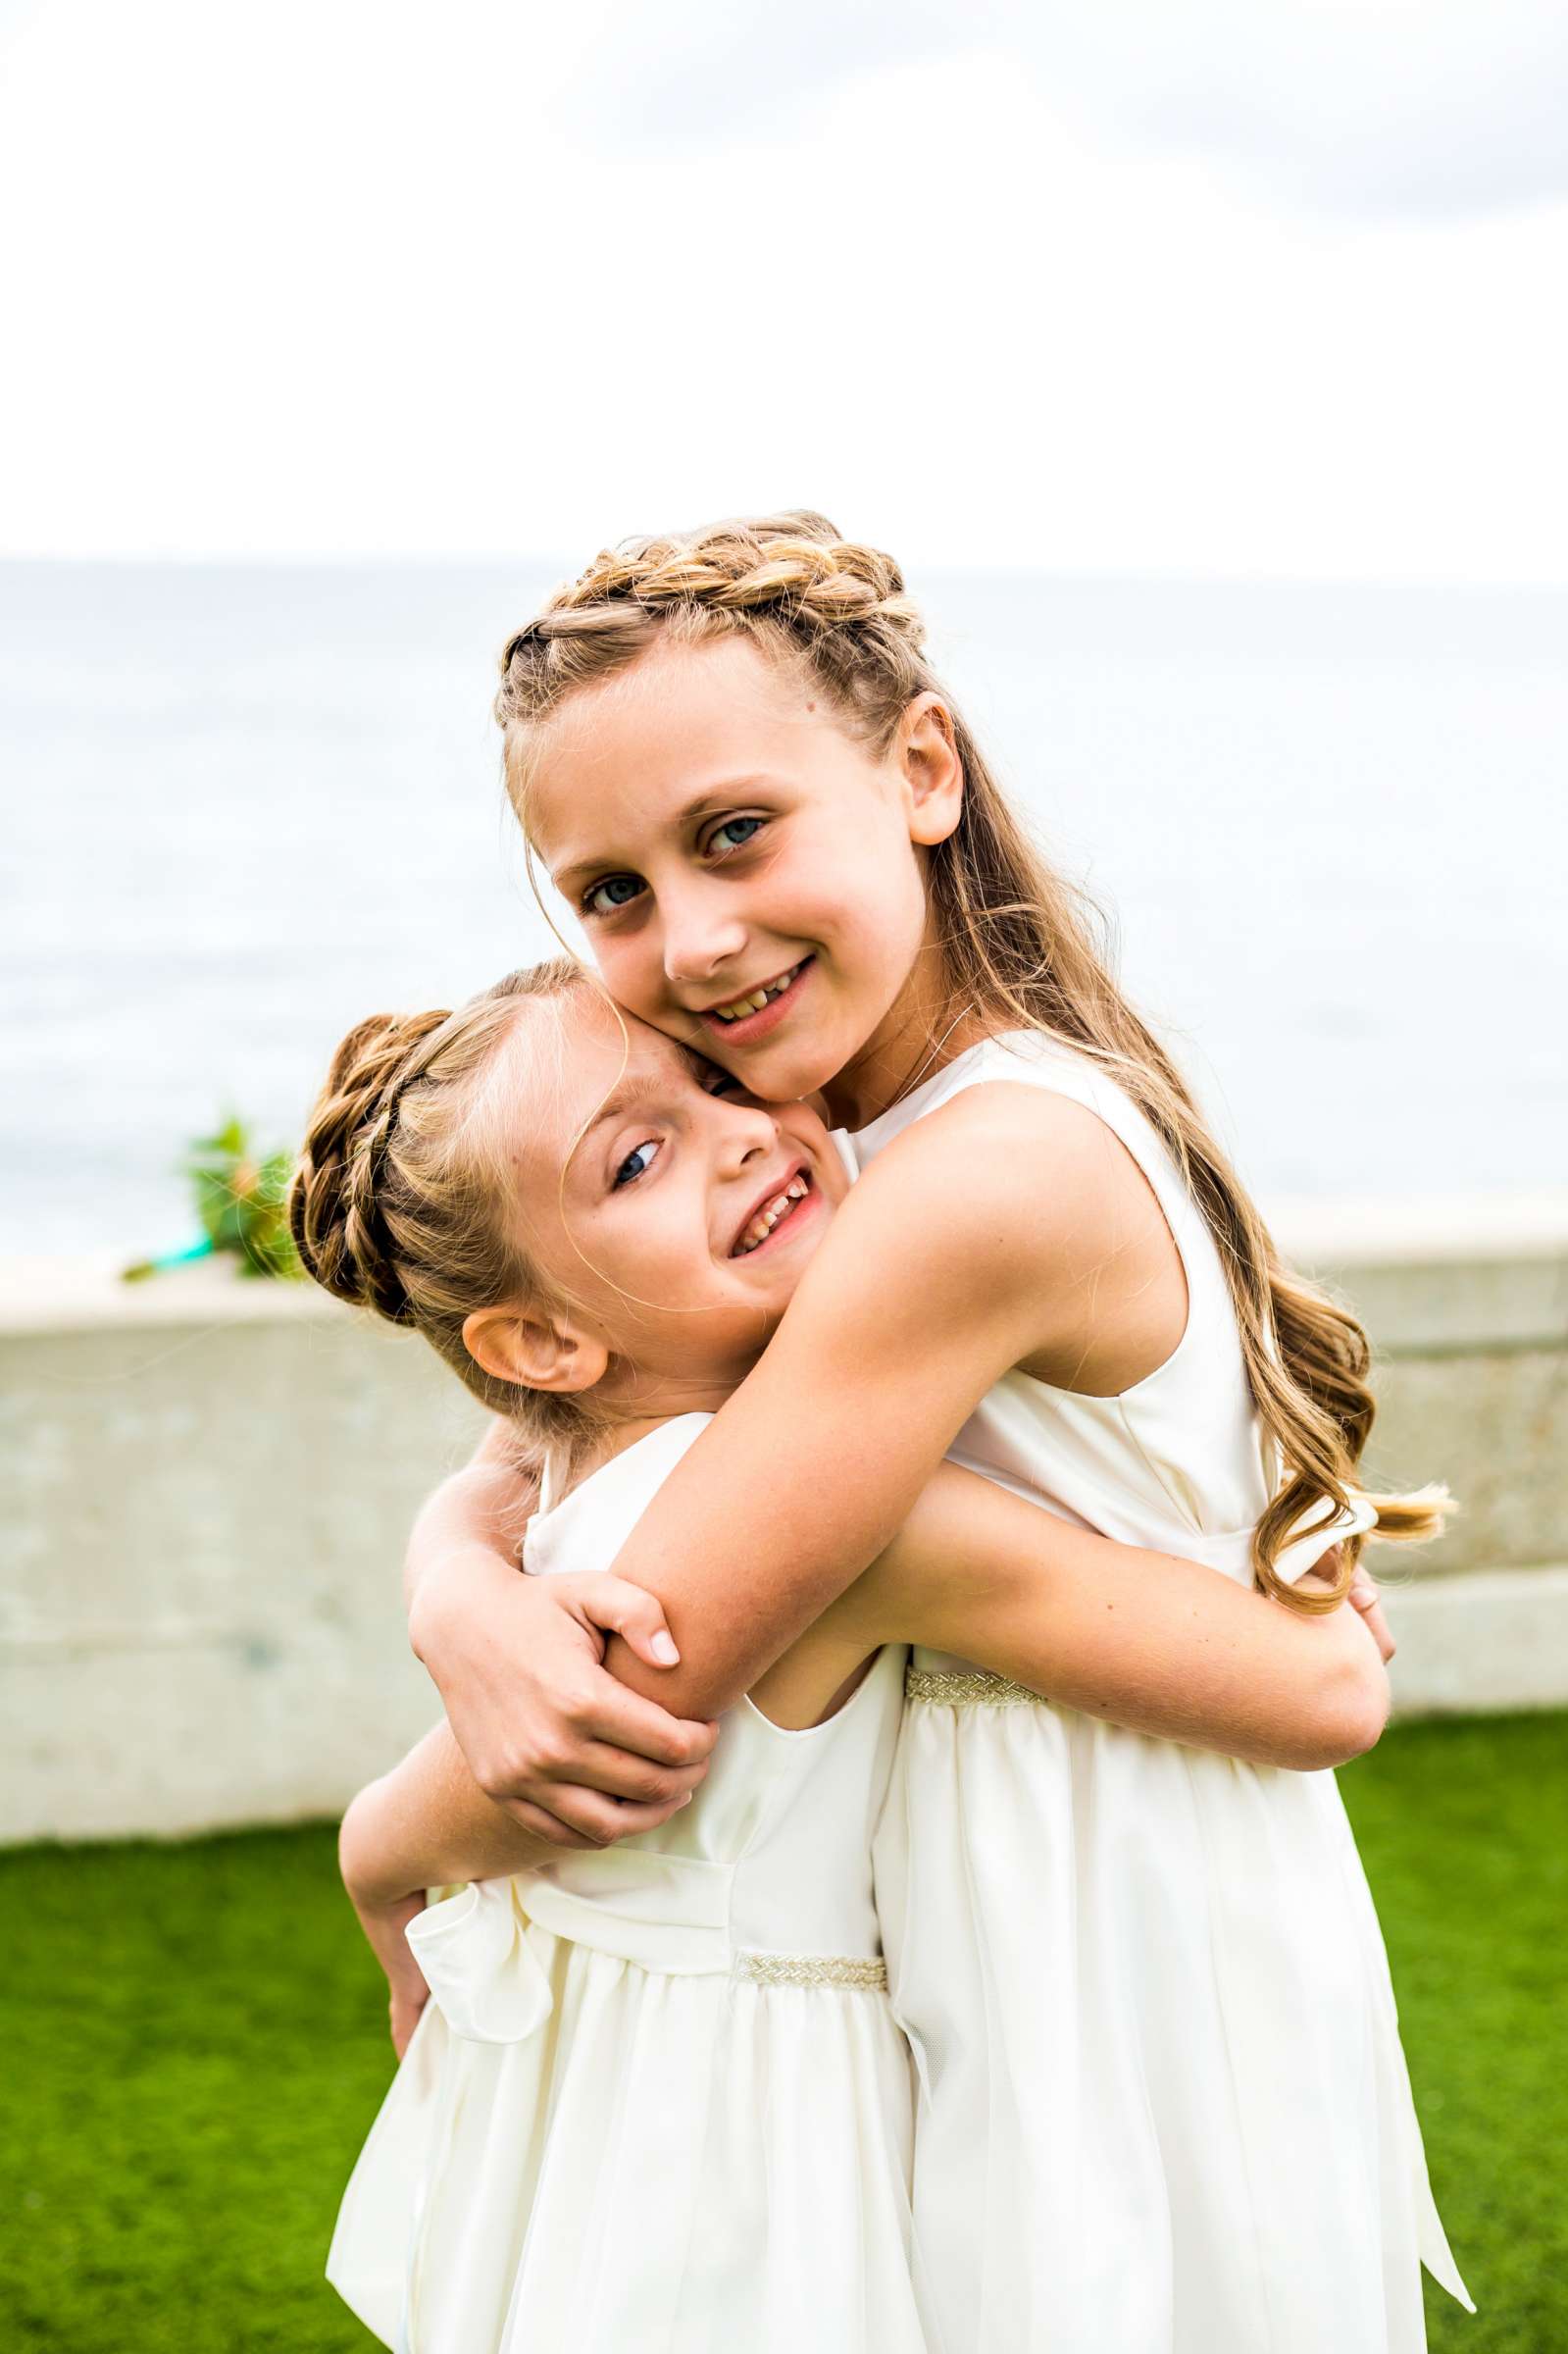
(242, 1199)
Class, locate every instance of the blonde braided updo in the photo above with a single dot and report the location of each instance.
(399, 1199)
(787, 581)
(336, 1210)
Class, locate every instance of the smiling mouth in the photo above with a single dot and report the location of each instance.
(739, 1008)
(775, 1212)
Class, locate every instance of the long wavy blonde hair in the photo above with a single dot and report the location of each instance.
(1018, 938)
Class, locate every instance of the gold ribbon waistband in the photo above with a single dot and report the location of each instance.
(811, 1970)
(969, 1687)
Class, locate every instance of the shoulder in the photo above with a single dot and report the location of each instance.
(593, 1521)
(1009, 1173)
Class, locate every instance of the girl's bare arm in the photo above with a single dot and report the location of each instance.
(1146, 1640)
(427, 1823)
(483, 1508)
(935, 1278)
(542, 1724)
(547, 1731)
(928, 1287)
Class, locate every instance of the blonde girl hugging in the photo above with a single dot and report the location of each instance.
(659, 2099)
(1162, 2100)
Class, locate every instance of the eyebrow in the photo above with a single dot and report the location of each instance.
(707, 803)
(646, 1088)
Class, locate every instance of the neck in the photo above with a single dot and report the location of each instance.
(691, 1394)
(923, 1030)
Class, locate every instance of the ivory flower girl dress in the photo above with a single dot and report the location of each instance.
(657, 2103)
(1164, 2107)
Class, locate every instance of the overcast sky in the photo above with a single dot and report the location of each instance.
(1219, 286)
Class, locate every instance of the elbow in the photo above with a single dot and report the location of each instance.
(351, 1843)
(1351, 1718)
(362, 1851)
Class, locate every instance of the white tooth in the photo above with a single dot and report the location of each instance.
(796, 1188)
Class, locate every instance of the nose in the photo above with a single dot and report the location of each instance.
(700, 935)
(744, 1131)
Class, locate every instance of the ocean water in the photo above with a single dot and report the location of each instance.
(244, 806)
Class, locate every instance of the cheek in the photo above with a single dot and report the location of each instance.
(869, 887)
(631, 970)
(677, 1263)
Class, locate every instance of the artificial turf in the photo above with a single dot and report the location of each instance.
(193, 2044)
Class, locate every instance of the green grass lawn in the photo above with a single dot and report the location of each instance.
(193, 2046)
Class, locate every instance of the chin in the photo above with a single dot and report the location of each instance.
(792, 1074)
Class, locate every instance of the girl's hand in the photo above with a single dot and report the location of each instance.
(1363, 1596)
(384, 1925)
(406, 2005)
(547, 1731)
(406, 1983)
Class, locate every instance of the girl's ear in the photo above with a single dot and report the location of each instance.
(536, 1352)
(934, 774)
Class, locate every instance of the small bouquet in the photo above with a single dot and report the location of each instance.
(241, 1202)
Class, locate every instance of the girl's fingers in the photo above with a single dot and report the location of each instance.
(579, 1817)
(542, 1823)
(619, 1775)
(1382, 1633)
(617, 1606)
(626, 1720)
(406, 2009)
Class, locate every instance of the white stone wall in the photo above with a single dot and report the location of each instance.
(207, 1486)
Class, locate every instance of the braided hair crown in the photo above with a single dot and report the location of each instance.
(336, 1208)
(789, 579)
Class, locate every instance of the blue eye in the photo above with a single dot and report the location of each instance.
(635, 1165)
(613, 893)
(741, 828)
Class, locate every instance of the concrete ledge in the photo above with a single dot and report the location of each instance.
(209, 1485)
(1441, 1277)
(89, 1295)
(200, 1560)
(1481, 1642)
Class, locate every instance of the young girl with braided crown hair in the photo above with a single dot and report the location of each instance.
(659, 2099)
(1163, 2104)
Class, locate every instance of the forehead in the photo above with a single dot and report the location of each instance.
(572, 1057)
(656, 745)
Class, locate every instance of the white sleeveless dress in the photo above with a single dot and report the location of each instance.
(657, 2103)
(1163, 2104)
